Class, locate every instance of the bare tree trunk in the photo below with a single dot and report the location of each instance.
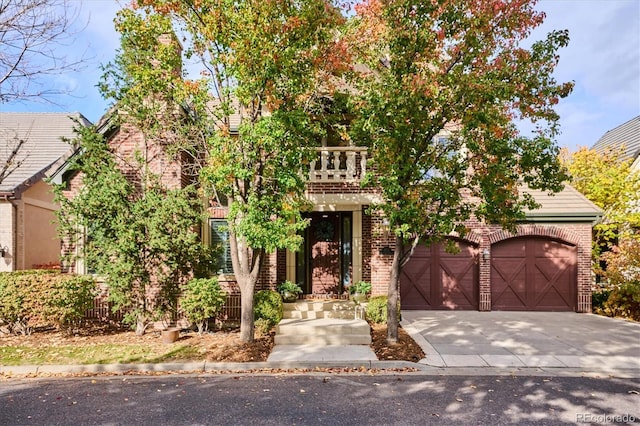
(393, 295)
(247, 287)
(246, 266)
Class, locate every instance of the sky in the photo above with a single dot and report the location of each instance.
(602, 59)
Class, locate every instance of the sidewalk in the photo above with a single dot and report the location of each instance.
(455, 343)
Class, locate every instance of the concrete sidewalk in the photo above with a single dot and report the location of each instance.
(455, 343)
(524, 339)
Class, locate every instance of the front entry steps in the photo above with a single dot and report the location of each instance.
(316, 309)
(325, 323)
(322, 331)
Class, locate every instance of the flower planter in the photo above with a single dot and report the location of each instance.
(289, 297)
(359, 297)
(170, 335)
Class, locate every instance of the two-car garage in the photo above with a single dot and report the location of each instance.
(532, 273)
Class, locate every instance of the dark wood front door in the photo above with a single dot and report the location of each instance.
(434, 279)
(533, 274)
(324, 263)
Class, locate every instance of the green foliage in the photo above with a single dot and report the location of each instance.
(38, 298)
(623, 302)
(445, 83)
(263, 65)
(290, 287)
(139, 236)
(267, 306)
(361, 287)
(202, 299)
(608, 181)
(377, 310)
(263, 326)
(623, 274)
(598, 299)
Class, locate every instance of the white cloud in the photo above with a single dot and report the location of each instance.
(603, 58)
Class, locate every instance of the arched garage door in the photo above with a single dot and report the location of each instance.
(435, 279)
(533, 274)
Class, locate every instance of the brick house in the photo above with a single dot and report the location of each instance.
(544, 266)
(28, 237)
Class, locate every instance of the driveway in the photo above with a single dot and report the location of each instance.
(524, 339)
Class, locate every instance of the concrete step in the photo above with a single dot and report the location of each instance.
(327, 339)
(314, 309)
(328, 331)
(322, 326)
(318, 314)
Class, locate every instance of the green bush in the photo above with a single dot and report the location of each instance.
(262, 326)
(598, 298)
(202, 299)
(38, 298)
(623, 301)
(267, 305)
(377, 310)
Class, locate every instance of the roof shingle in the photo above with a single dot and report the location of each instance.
(43, 135)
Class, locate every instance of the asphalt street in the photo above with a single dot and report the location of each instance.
(318, 399)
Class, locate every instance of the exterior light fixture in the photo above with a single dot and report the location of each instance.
(485, 254)
(3, 251)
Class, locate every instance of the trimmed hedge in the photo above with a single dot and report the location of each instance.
(35, 298)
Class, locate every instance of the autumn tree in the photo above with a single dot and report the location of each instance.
(262, 72)
(141, 222)
(607, 179)
(442, 85)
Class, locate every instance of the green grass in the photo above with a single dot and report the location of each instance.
(96, 354)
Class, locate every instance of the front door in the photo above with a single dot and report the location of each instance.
(324, 263)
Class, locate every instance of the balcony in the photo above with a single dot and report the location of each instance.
(338, 164)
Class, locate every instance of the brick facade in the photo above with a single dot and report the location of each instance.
(376, 264)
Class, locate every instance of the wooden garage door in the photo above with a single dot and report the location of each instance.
(435, 279)
(533, 274)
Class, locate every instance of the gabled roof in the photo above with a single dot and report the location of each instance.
(568, 205)
(626, 134)
(43, 135)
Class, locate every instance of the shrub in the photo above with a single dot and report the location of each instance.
(267, 305)
(623, 273)
(38, 298)
(263, 327)
(377, 310)
(202, 299)
(623, 301)
(598, 297)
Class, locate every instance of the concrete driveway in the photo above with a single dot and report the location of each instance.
(524, 339)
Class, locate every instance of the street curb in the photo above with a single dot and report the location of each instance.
(204, 367)
(350, 367)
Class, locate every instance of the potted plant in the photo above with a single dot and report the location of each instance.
(289, 291)
(359, 291)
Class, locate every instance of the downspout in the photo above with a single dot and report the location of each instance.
(10, 198)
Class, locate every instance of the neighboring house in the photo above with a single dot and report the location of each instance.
(27, 210)
(544, 266)
(626, 135)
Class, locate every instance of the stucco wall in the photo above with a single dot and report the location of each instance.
(7, 235)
